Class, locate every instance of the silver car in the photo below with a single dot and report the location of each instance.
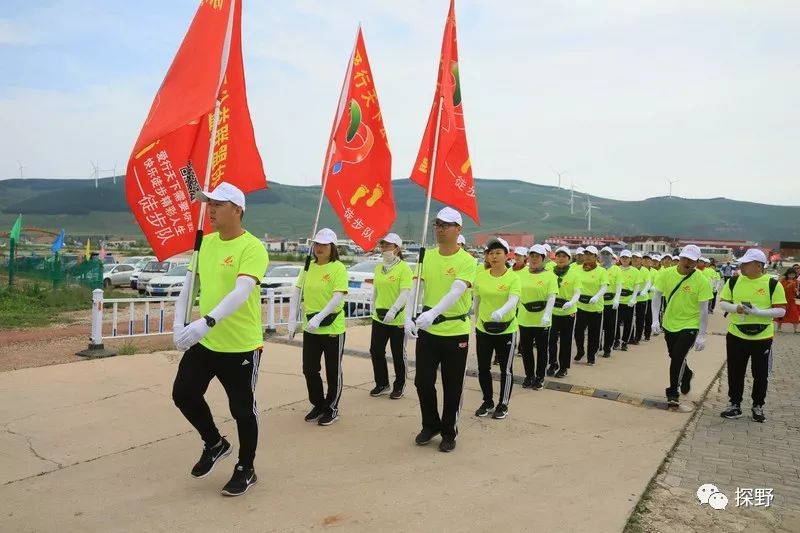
(117, 275)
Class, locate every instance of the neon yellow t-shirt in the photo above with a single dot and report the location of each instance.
(535, 288)
(613, 277)
(387, 288)
(682, 311)
(550, 265)
(493, 293)
(220, 263)
(755, 291)
(591, 282)
(321, 282)
(439, 272)
(629, 278)
(567, 284)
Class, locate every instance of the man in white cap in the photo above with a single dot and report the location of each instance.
(685, 318)
(628, 280)
(643, 307)
(753, 299)
(227, 341)
(594, 284)
(442, 330)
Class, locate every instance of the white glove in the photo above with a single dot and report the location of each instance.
(644, 292)
(391, 314)
(632, 303)
(425, 320)
(313, 323)
(594, 299)
(615, 303)
(192, 334)
(545, 321)
(656, 329)
(177, 331)
(292, 327)
(700, 343)
(496, 316)
(567, 306)
(410, 328)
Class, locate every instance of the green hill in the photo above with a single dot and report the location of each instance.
(505, 205)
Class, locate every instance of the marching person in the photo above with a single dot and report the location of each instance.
(753, 299)
(462, 242)
(628, 279)
(496, 296)
(391, 285)
(442, 330)
(637, 261)
(324, 288)
(611, 296)
(538, 288)
(549, 264)
(227, 341)
(569, 290)
(520, 258)
(594, 284)
(686, 293)
(578, 263)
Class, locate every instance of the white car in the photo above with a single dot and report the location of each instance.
(280, 276)
(169, 284)
(155, 269)
(361, 275)
(117, 275)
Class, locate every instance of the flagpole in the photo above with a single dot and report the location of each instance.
(198, 240)
(425, 219)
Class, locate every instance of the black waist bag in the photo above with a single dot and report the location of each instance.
(381, 313)
(584, 298)
(608, 296)
(441, 318)
(560, 302)
(327, 321)
(534, 307)
(626, 292)
(496, 327)
(752, 329)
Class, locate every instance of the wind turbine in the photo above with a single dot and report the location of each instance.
(21, 169)
(572, 198)
(113, 172)
(559, 176)
(588, 215)
(670, 185)
(95, 173)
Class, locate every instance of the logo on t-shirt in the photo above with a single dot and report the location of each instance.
(502, 287)
(227, 262)
(326, 278)
(392, 278)
(687, 288)
(451, 271)
(761, 291)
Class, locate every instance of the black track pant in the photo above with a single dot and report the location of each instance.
(450, 353)
(712, 303)
(561, 341)
(395, 336)
(588, 320)
(503, 347)
(678, 345)
(644, 320)
(609, 327)
(528, 338)
(316, 346)
(238, 373)
(624, 324)
(739, 352)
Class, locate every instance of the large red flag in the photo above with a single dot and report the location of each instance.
(452, 178)
(169, 159)
(359, 181)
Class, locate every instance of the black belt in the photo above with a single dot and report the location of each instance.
(381, 313)
(496, 327)
(534, 307)
(560, 302)
(752, 329)
(584, 298)
(626, 292)
(441, 318)
(608, 296)
(327, 321)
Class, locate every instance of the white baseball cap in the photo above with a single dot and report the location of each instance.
(547, 247)
(579, 250)
(636, 254)
(393, 238)
(753, 254)
(606, 250)
(590, 250)
(448, 214)
(690, 251)
(461, 240)
(704, 260)
(520, 250)
(497, 240)
(538, 249)
(325, 236)
(224, 192)
(563, 249)
(625, 253)
(675, 257)
(655, 257)
(648, 254)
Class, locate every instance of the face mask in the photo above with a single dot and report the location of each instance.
(388, 257)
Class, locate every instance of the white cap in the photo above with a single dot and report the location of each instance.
(224, 192)
(538, 249)
(704, 260)
(547, 247)
(563, 249)
(579, 250)
(498, 240)
(636, 254)
(461, 240)
(753, 254)
(520, 250)
(590, 250)
(648, 254)
(325, 236)
(655, 257)
(606, 250)
(393, 238)
(625, 253)
(675, 257)
(448, 214)
(690, 251)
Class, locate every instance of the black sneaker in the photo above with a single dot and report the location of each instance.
(538, 384)
(673, 403)
(379, 390)
(732, 411)
(425, 436)
(447, 445)
(616, 345)
(500, 412)
(397, 393)
(314, 414)
(590, 363)
(624, 347)
(484, 409)
(578, 356)
(758, 414)
(634, 343)
(243, 478)
(551, 370)
(561, 373)
(527, 383)
(495, 362)
(328, 418)
(686, 382)
(607, 354)
(647, 339)
(210, 457)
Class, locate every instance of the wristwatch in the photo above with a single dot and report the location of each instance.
(210, 322)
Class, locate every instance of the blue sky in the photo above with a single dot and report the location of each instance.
(618, 94)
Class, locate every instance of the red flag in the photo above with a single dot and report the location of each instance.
(359, 181)
(453, 184)
(171, 154)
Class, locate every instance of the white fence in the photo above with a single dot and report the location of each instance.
(142, 317)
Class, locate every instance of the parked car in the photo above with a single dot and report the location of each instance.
(360, 275)
(280, 276)
(117, 275)
(169, 284)
(154, 269)
(138, 262)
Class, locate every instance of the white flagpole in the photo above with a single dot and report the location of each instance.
(226, 49)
